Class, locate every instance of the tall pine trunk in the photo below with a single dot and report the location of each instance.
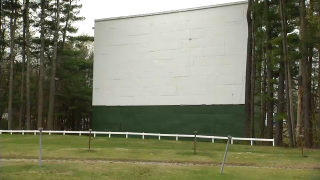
(263, 93)
(21, 115)
(41, 68)
(299, 111)
(319, 80)
(248, 71)
(13, 21)
(287, 68)
(28, 109)
(64, 35)
(280, 107)
(309, 85)
(305, 82)
(1, 53)
(269, 74)
(319, 89)
(310, 63)
(53, 70)
(291, 104)
(288, 106)
(253, 76)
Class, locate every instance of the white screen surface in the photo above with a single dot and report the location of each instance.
(187, 58)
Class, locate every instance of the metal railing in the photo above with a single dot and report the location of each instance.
(177, 136)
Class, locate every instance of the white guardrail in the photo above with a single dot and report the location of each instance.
(138, 134)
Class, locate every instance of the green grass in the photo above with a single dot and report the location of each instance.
(74, 147)
(86, 171)
(268, 160)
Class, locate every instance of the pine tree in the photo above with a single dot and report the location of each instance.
(41, 67)
(285, 54)
(305, 82)
(53, 68)
(248, 72)
(13, 24)
(28, 94)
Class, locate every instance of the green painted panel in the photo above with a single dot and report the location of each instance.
(220, 120)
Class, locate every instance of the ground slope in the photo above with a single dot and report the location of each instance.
(66, 157)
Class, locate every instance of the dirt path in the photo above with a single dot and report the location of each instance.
(150, 163)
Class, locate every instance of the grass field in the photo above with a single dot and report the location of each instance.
(66, 157)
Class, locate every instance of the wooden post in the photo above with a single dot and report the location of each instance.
(40, 153)
(225, 154)
(301, 140)
(195, 142)
(90, 139)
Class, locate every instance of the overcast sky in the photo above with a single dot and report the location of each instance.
(97, 9)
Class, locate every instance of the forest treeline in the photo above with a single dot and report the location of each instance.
(282, 76)
(46, 71)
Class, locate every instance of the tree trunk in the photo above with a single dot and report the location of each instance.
(13, 20)
(269, 74)
(310, 60)
(41, 68)
(319, 89)
(305, 81)
(21, 115)
(1, 46)
(299, 114)
(63, 118)
(66, 26)
(28, 67)
(263, 101)
(72, 119)
(288, 106)
(1, 112)
(78, 120)
(309, 76)
(248, 72)
(55, 123)
(280, 107)
(253, 77)
(287, 69)
(291, 105)
(53, 70)
(318, 80)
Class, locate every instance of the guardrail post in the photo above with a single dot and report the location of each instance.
(143, 135)
(11, 132)
(225, 154)
(35, 132)
(90, 139)
(126, 135)
(94, 134)
(273, 142)
(159, 136)
(22, 132)
(231, 141)
(64, 132)
(40, 154)
(109, 134)
(251, 142)
(80, 133)
(195, 143)
(212, 140)
(177, 138)
(49, 132)
(0, 132)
